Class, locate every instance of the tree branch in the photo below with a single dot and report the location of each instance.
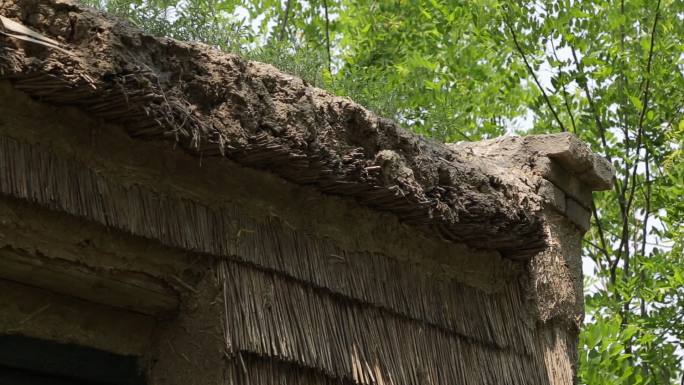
(602, 134)
(645, 103)
(639, 137)
(534, 76)
(592, 105)
(564, 91)
(597, 247)
(647, 208)
(327, 34)
(283, 25)
(599, 228)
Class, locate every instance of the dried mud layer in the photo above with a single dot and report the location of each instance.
(216, 104)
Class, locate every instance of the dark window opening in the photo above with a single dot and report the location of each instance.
(30, 361)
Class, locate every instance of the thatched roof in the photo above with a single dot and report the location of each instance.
(297, 306)
(218, 105)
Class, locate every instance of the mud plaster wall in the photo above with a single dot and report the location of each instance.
(359, 263)
(38, 313)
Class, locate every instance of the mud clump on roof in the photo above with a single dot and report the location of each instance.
(216, 104)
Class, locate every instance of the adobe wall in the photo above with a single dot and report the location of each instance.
(250, 279)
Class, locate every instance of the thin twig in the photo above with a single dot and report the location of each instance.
(184, 284)
(644, 236)
(597, 247)
(327, 35)
(592, 105)
(563, 90)
(647, 208)
(35, 314)
(624, 83)
(599, 228)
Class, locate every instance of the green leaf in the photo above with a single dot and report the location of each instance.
(636, 102)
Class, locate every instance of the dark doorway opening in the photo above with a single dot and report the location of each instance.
(30, 361)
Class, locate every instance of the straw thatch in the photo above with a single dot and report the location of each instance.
(414, 291)
(304, 302)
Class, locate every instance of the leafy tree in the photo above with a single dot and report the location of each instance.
(611, 71)
(434, 64)
(616, 80)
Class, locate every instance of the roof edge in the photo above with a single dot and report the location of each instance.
(217, 105)
(559, 168)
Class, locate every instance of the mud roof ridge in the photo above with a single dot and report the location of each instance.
(215, 104)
